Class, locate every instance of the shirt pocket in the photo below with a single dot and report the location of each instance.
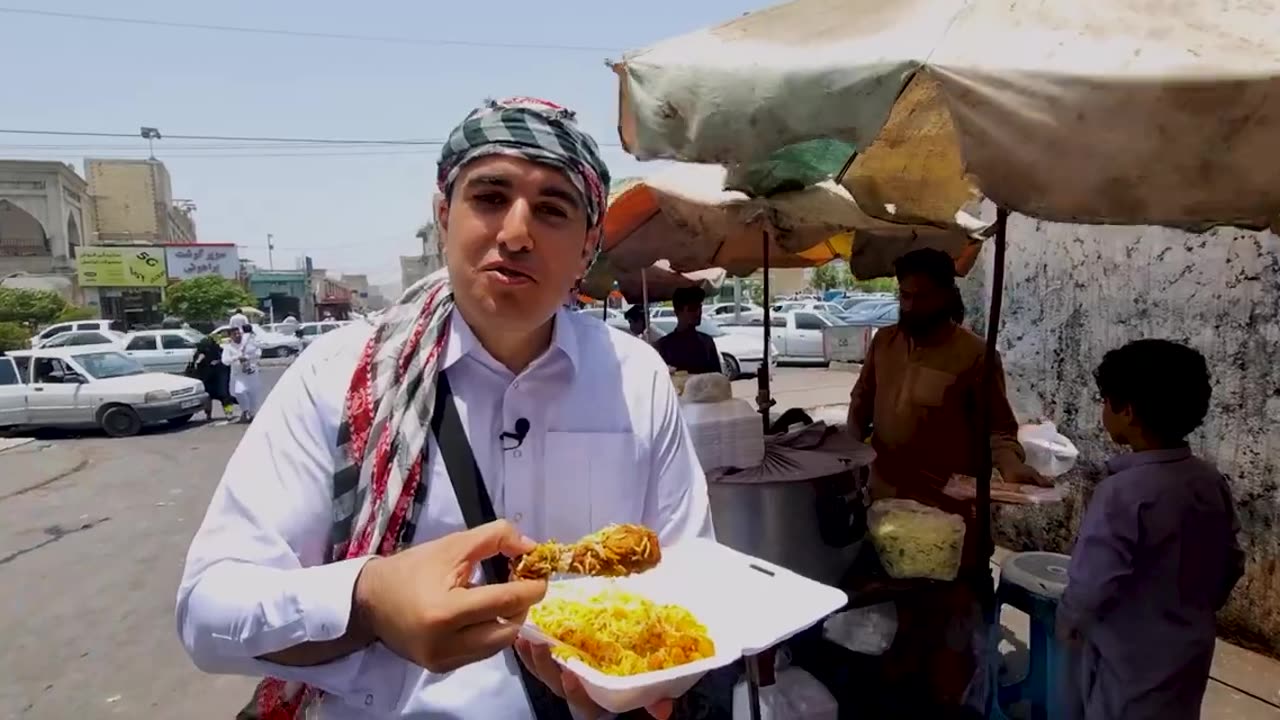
(593, 479)
(928, 387)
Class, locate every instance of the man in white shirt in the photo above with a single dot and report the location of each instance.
(572, 427)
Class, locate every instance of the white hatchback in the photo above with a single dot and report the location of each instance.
(92, 387)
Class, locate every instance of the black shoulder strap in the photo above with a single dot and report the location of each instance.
(477, 509)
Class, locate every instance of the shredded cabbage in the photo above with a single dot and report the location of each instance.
(620, 633)
(916, 541)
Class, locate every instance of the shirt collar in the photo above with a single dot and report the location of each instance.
(462, 341)
(1128, 461)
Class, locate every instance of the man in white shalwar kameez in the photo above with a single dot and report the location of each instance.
(241, 353)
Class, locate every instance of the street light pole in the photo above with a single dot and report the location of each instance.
(271, 263)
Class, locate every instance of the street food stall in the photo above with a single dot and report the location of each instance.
(940, 118)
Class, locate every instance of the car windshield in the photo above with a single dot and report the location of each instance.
(103, 365)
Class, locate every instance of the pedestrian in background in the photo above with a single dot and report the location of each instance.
(241, 354)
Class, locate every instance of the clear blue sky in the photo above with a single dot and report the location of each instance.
(353, 213)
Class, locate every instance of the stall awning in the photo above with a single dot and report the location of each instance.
(1097, 111)
(683, 215)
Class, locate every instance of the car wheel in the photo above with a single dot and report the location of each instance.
(180, 420)
(119, 421)
(732, 369)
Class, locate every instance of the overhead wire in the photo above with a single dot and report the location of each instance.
(387, 39)
(281, 141)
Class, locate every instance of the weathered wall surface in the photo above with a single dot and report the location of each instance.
(1074, 292)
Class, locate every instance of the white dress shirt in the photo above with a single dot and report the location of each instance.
(606, 445)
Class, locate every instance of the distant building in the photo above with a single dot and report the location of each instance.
(134, 204)
(43, 214)
(415, 267)
(281, 293)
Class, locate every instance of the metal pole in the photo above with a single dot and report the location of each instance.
(644, 299)
(753, 685)
(989, 371)
(737, 301)
(271, 262)
(763, 398)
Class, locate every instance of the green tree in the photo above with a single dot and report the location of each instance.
(877, 285)
(30, 307)
(72, 313)
(205, 298)
(832, 276)
(14, 336)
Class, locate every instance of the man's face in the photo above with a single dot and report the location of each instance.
(235, 334)
(922, 304)
(515, 235)
(689, 316)
(637, 324)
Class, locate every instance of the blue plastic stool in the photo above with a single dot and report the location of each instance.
(1033, 582)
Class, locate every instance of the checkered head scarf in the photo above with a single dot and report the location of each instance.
(378, 492)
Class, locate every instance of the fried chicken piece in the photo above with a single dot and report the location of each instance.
(614, 551)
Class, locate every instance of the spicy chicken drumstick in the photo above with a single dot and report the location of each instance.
(614, 551)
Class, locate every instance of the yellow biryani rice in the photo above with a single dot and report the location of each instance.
(620, 633)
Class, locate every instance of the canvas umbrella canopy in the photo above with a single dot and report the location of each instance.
(684, 215)
(657, 283)
(1094, 111)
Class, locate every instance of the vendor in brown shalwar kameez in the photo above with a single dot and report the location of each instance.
(918, 399)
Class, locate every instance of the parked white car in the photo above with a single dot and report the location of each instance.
(723, 311)
(86, 338)
(91, 387)
(167, 351)
(311, 331)
(56, 329)
(797, 335)
(273, 344)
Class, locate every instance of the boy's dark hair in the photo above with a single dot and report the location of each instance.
(927, 262)
(635, 312)
(1164, 383)
(687, 297)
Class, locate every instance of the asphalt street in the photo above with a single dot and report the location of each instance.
(93, 533)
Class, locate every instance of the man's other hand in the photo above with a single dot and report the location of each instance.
(421, 605)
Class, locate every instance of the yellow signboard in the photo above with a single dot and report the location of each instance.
(121, 267)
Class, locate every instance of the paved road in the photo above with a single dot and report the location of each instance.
(93, 532)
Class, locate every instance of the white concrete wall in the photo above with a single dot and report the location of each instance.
(1074, 292)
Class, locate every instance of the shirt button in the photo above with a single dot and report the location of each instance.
(517, 453)
(368, 700)
(518, 517)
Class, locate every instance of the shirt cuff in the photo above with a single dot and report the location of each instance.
(323, 595)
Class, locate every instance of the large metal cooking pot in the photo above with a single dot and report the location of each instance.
(811, 526)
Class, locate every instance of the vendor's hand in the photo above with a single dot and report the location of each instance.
(565, 684)
(1024, 474)
(420, 604)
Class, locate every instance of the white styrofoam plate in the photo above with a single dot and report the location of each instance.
(746, 603)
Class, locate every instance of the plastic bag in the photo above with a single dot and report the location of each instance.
(1048, 451)
(795, 695)
(707, 388)
(868, 630)
(915, 540)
